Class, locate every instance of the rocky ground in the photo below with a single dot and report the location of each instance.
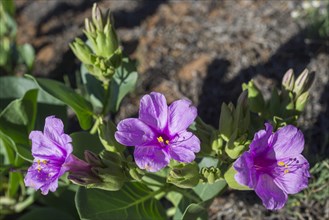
(202, 50)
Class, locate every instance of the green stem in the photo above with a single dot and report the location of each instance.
(96, 125)
(106, 86)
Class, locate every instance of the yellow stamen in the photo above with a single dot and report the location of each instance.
(281, 163)
(38, 162)
(167, 142)
(160, 139)
(44, 161)
(286, 171)
(39, 169)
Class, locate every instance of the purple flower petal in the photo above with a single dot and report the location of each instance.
(54, 130)
(50, 150)
(288, 142)
(151, 158)
(42, 146)
(41, 176)
(260, 141)
(296, 179)
(181, 154)
(181, 116)
(244, 167)
(154, 110)
(272, 196)
(187, 140)
(132, 132)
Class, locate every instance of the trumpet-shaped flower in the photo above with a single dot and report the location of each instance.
(159, 134)
(52, 157)
(274, 166)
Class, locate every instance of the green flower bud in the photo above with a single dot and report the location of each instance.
(288, 80)
(101, 33)
(110, 159)
(303, 82)
(184, 175)
(255, 98)
(81, 50)
(92, 159)
(84, 179)
(226, 121)
(210, 174)
(301, 101)
(112, 178)
(241, 115)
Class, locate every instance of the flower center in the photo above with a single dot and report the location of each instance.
(291, 165)
(39, 168)
(163, 141)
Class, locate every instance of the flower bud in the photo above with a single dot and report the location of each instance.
(110, 159)
(112, 178)
(184, 175)
(81, 50)
(92, 159)
(303, 82)
(288, 80)
(210, 174)
(226, 121)
(84, 179)
(301, 101)
(255, 98)
(136, 173)
(101, 33)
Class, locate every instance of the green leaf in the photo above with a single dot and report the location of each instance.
(106, 134)
(229, 177)
(201, 195)
(133, 201)
(94, 88)
(123, 82)
(49, 213)
(9, 7)
(18, 118)
(12, 88)
(26, 52)
(81, 107)
(195, 211)
(7, 149)
(82, 141)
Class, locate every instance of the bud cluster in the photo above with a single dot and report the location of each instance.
(233, 126)
(101, 54)
(210, 174)
(284, 106)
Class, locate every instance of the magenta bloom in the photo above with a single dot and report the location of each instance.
(274, 166)
(52, 156)
(159, 134)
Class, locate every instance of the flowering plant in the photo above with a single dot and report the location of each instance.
(176, 156)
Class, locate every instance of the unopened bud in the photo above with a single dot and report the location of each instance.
(110, 159)
(304, 82)
(97, 17)
(92, 158)
(184, 175)
(112, 178)
(288, 80)
(301, 101)
(226, 122)
(81, 50)
(210, 174)
(84, 179)
(255, 98)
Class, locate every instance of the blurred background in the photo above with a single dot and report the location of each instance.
(202, 50)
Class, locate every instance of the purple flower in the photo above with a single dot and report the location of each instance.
(52, 157)
(159, 134)
(274, 166)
